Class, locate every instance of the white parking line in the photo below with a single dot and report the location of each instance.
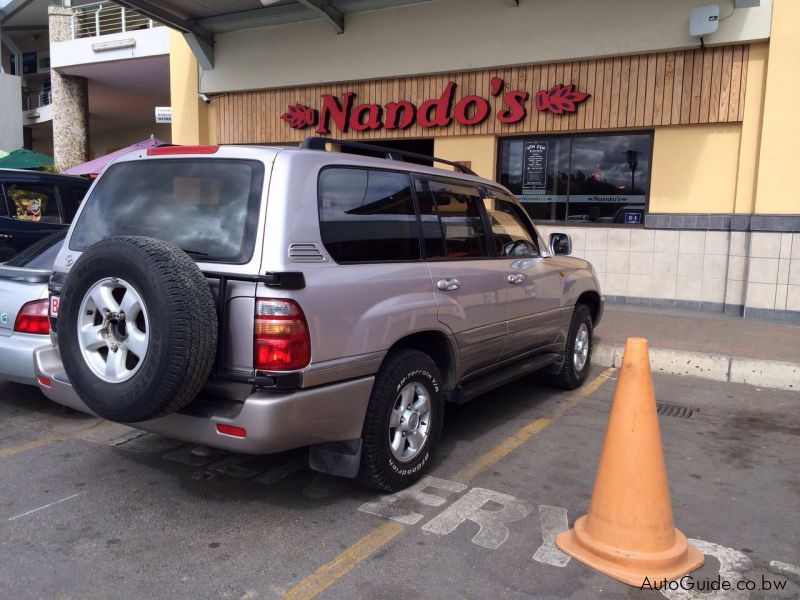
(30, 512)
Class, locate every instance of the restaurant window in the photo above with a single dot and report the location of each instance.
(579, 178)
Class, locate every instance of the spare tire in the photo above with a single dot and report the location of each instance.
(137, 328)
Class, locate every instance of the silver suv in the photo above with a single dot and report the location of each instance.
(260, 299)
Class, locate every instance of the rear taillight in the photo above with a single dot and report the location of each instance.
(33, 318)
(280, 338)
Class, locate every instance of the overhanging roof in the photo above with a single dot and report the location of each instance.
(200, 20)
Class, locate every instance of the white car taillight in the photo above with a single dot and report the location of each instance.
(33, 317)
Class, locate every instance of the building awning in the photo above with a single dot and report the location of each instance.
(200, 20)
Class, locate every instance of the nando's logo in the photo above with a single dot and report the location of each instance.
(435, 112)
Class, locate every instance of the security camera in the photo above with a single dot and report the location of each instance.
(204, 98)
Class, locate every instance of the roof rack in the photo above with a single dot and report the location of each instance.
(318, 143)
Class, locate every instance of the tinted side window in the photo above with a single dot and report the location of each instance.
(459, 210)
(71, 197)
(510, 233)
(3, 205)
(33, 202)
(367, 215)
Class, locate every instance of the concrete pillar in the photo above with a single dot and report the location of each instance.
(70, 101)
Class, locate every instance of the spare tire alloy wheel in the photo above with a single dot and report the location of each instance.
(113, 329)
(137, 328)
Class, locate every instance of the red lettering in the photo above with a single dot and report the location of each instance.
(338, 111)
(515, 103)
(479, 107)
(400, 115)
(440, 107)
(373, 117)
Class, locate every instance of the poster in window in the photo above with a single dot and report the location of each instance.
(534, 168)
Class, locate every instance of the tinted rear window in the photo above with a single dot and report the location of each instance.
(207, 207)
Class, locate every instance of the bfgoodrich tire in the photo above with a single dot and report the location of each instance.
(578, 352)
(137, 328)
(403, 421)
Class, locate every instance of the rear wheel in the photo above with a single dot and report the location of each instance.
(403, 421)
(578, 352)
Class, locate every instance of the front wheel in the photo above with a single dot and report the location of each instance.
(403, 421)
(578, 352)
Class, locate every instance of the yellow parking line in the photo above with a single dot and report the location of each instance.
(344, 563)
(60, 437)
(331, 572)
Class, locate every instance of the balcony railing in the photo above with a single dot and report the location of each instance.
(33, 100)
(103, 18)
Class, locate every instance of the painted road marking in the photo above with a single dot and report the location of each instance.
(785, 569)
(492, 530)
(552, 521)
(397, 506)
(30, 512)
(331, 572)
(45, 441)
(340, 566)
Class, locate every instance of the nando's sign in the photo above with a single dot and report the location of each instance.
(346, 114)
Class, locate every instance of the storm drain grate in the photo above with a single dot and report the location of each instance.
(681, 411)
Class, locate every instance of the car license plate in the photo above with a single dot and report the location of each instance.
(54, 302)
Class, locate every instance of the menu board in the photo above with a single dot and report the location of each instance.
(534, 167)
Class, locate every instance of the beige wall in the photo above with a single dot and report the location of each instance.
(479, 150)
(190, 118)
(776, 190)
(455, 35)
(695, 168)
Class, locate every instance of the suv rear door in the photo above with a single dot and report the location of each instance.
(468, 282)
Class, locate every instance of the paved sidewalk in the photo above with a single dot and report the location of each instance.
(718, 347)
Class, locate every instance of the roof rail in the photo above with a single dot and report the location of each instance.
(318, 143)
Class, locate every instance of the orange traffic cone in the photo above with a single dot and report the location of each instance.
(628, 533)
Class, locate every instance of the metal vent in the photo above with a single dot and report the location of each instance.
(681, 411)
(305, 253)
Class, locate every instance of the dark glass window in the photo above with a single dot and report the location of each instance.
(367, 215)
(580, 178)
(511, 235)
(207, 207)
(40, 255)
(458, 205)
(71, 197)
(33, 202)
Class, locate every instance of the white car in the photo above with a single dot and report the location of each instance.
(24, 319)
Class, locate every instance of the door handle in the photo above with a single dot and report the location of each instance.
(516, 278)
(448, 285)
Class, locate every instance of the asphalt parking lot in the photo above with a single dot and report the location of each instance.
(91, 509)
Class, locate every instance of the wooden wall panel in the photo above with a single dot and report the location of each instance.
(666, 88)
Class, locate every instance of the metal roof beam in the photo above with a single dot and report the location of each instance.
(200, 40)
(327, 11)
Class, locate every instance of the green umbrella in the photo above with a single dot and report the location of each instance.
(25, 159)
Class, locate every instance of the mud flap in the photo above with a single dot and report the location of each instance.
(342, 459)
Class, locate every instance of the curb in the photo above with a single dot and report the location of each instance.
(772, 374)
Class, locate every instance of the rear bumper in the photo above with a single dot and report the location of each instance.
(274, 422)
(16, 356)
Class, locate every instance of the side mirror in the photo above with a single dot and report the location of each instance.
(560, 244)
